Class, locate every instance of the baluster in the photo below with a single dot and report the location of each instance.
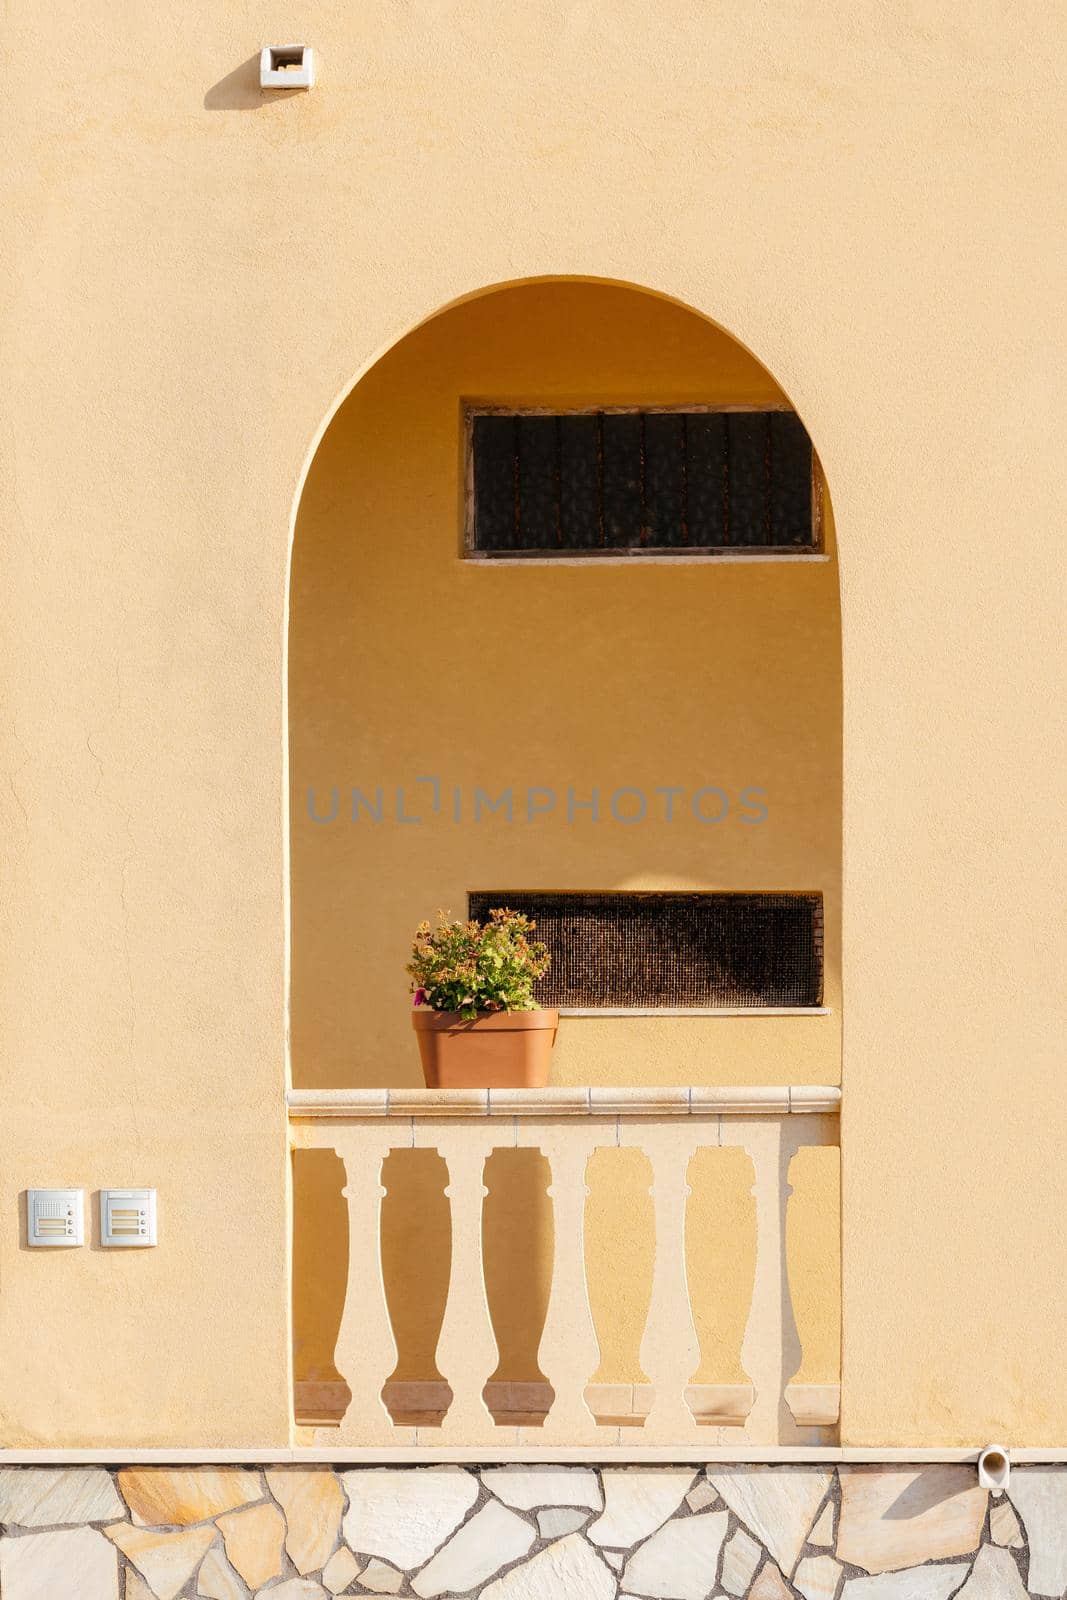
(569, 1352)
(365, 1353)
(771, 1348)
(466, 1349)
(816, 1407)
(670, 1351)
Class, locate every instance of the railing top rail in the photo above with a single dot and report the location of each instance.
(320, 1105)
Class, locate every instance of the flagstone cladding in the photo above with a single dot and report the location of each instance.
(754, 1533)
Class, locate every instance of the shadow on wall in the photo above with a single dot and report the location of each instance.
(239, 90)
(518, 1239)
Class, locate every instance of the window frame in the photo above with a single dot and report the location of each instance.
(656, 554)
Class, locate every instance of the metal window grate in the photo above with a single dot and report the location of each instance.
(651, 950)
(656, 482)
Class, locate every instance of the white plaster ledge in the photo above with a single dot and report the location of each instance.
(359, 1105)
(745, 1455)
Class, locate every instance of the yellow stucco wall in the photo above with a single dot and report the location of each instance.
(194, 278)
(405, 660)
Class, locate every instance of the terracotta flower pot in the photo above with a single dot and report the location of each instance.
(497, 1050)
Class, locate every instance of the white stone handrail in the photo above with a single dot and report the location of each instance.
(314, 1105)
(567, 1125)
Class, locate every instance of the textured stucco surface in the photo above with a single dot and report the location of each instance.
(195, 276)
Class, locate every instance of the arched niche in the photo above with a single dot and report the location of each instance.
(408, 662)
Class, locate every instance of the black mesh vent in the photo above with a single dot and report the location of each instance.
(673, 950)
(640, 482)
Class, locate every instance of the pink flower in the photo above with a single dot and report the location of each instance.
(420, 998)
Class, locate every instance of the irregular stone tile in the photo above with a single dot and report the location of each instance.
(527, 1487)
(1040, 1498)
(165, 1560)
(46, 1566)
(614, 1558)
(294, 1589)
(172, 1497)
(560, 1520)
(341, 1570)
(994, 1576)
(136, 1588)
(739, 1561)
(919, 1583)
(42, 1497)
(678, 1562)
(313, 1501)
(254, 1540)
(777, 1504)
(817, 1577)
(493, 1538)
(567, 1570)
(216, 1579)
(891, 1520)
(638, 1500)
(701, 1496)
(380, 1578)
(1004, 1525)
(770, 1585)
(823, 1531)
(405, 1515)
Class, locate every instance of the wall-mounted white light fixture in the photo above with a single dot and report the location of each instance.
(994, 1468)
(54, 1217)
(286, 66)
(128, 1216)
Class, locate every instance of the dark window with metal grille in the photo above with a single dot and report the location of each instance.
(685, 951)
(663, 483)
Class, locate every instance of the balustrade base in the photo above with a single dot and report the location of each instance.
(424, 1402)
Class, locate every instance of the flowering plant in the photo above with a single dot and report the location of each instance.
(468, 967)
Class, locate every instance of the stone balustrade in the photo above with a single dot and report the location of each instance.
(567, 1126)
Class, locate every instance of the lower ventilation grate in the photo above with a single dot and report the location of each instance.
(672, 951)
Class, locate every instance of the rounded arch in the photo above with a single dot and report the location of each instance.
(382, 352)
(699, 355)
(480, 292)
(405, 662)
